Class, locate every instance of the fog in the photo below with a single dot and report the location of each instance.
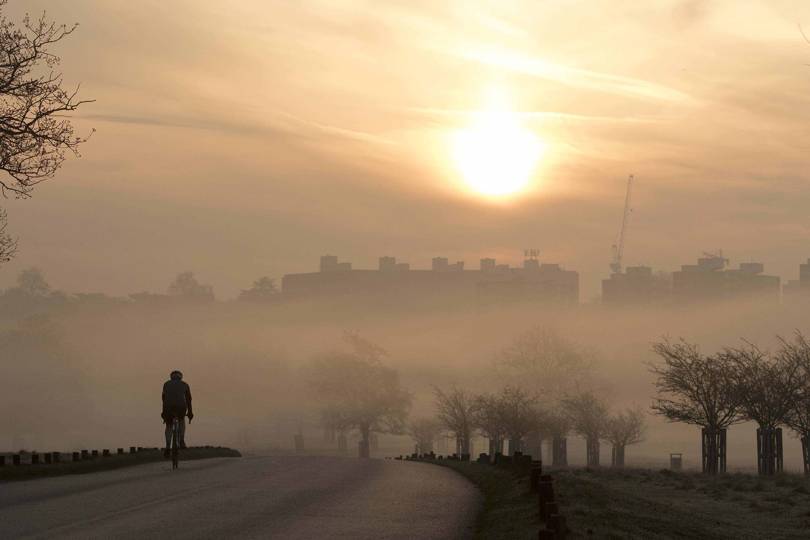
(90, 374)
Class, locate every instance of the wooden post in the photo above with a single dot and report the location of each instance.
(34, 459)
(2, 461)
(94, 454)
(120, 451)
(556, 523)
(85, 454)
(545, 490)
(132, 449)
(57, 457)
(77, 456)
(15, 459)
(105, 452)
(48, 458)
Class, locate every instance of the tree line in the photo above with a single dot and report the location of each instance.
(737, 384)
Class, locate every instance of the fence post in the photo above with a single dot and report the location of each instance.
(15, 459)
(2, 461)
(85, 454)
(34, 458)
(545, 494)
(48, 458)
(94, 454)
(105, 452)
(76, 456)
(57, 457)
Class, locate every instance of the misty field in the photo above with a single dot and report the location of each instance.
(645, 504)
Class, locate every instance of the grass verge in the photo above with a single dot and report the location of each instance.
(115, 461)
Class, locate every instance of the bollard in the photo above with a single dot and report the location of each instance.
(57, 457)
(48, 458)
(546, 534)
(15, 459)
(2, 461)
(105, 452)
(132, 450)
(76, 456)
(85, 454)
(556, 523)
(534, 475)
(545, 495)
(34, 458)
(94, 454)
(120, 451)
(140, 449)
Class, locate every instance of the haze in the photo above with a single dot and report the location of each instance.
(249, 139)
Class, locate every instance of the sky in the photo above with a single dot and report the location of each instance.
(248, 138)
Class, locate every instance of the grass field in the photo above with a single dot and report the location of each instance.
(28, 472)
(646, 504)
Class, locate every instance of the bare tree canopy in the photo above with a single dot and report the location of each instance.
(455, 410)
(698, 389)
(263, 290)
(185, 286)
(360, 394)
(588, 415)
(799, 417)
(544, 362)
(35, 133)
(424, 432)
(766, 386)
(8, 245)
(625, 428)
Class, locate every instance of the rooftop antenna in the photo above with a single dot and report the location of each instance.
(618, 247)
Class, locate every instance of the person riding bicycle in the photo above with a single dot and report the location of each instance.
(176, 404)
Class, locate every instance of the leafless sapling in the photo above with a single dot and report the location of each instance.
(455, 410)
(588, 414)
(623, 429)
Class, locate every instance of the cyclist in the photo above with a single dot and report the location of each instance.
(176, 403)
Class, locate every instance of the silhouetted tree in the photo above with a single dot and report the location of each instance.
(519, 415)
(360, 393)
(543, 362)
(263, 290)
(697, 389)
(8, 245)
(424, 432)
(623, 429)
(799, 417)
(767, 388)
(31, 282)
(455, 410)
(35, 131)
(488, 419)
(589, 416)
(558, 424)
(185, 286)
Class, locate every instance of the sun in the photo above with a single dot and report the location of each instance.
(496, 155)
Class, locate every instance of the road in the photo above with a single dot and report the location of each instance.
(253, 497)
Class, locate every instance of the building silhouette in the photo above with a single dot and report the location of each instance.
(637, 285)
(490, 283)
(709, 280)
(799, 289)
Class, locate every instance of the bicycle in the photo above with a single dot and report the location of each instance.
(175, 442)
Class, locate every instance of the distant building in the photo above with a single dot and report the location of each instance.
(708, 280)
(491, 283)
(637, 285)
(799, 289)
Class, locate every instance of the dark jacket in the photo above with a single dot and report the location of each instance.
(176, 395)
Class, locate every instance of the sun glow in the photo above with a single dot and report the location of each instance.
(496, 155)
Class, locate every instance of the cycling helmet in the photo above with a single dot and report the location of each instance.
(176, 375)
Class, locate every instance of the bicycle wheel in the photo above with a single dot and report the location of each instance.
(175, 442)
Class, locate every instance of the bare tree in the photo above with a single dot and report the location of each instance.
(799, 417)
(360, 394)
(767, 387)
(558, 424)
(35, 132)
(455, 410)
(623, 429)
(519, 416)
(588, 415)
(185, 286)
(8, 245)
(543, 362)
(698, 390)
(263, 290)
(488, 418)
(424, 432)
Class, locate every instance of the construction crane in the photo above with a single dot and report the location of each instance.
(618, 247)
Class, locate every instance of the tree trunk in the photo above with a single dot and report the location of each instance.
(515, 445)
(593, 451)
(617, 456)
(713, 450)
(769, 450)
(534, 446)
(559, 452)
(363, 445)
(806, 453)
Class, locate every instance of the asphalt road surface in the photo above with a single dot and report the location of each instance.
(253, 497)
